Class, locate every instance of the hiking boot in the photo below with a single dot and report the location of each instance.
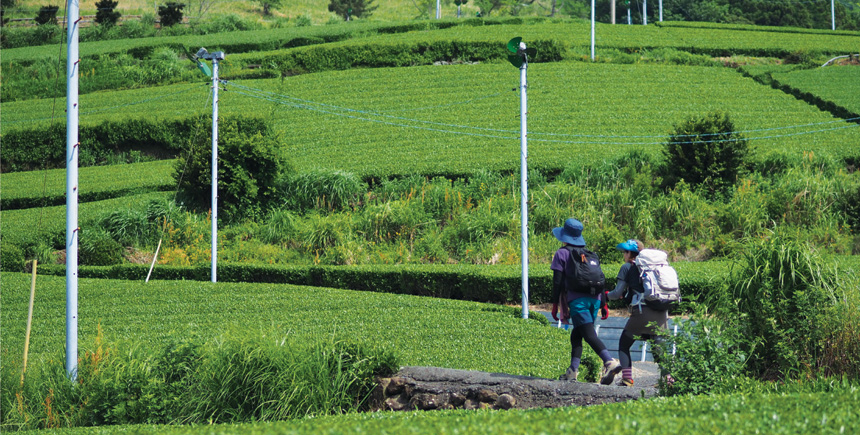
(569, 375)
(624, 382)
(610, 369)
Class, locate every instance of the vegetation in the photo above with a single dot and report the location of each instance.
(107, 14)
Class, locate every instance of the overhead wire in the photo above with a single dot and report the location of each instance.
(454, 128)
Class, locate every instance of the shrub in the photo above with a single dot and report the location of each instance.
(170, 14)
(249, 164)
(47, 15)
(352, 8)
(106, 14)
(708, 357)
(11, 258)
(321, 190)
(706, 151)
(779, 290)
(98, 248)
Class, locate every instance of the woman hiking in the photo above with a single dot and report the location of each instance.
(579, 303)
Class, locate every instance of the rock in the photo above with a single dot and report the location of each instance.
(485, 395)
(395, 386)
(457, 399)
(424, 401)
(471, 404)
(396, 403)
(506, 401)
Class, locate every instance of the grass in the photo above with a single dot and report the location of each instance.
(420, 331)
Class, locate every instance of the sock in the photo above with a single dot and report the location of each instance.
(574, 364)
(627, 373)
(605, 355)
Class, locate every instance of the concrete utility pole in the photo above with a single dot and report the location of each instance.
(73, 150)
(612, 10)
(214, 57)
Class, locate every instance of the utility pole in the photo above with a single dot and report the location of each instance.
(214, 57)
(73, 150)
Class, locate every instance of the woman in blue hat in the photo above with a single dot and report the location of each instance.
(642, 317)
(581, 308)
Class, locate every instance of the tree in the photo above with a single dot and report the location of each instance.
(47, 15)
(106, 14)
(488, 6)
(352, 8)
(249, 165)
(706, 152)
(268, 5)
(170, 14)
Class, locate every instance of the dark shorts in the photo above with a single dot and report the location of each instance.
(647, 322)
(583, 311)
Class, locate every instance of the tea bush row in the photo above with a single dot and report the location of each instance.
(48, 187)
(497, 284)
(44, 146)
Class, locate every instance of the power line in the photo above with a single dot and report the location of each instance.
(336, 110)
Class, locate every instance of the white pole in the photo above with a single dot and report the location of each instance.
(644, 350)
(644, 12)
(661, 11)
(214, 169)
(438, 9)
(673, 344)
(524, 188)
(629, 20)
(72, 153)
(592, 30)
(832, 15)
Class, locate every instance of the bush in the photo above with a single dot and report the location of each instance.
(322, 190)
(352, 8)
(170, 14)
(237, 377)
(249, 165)
(708, 357)
(106, 14)
(47, 15)
(779, 291)
(11, 258)
(98, 248)
(706, 152)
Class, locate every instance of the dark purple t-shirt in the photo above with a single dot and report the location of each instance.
(559, 261)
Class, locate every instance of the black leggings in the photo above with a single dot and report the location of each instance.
(627, 340)
(587, 332)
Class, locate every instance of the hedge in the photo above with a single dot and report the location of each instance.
(497, 284)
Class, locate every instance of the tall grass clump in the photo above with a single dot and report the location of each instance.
(777, 294)
(322, 190)
(237, 377)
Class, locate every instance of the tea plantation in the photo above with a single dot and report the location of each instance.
(393, 225)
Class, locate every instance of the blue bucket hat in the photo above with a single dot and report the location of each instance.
(570, 233)
(630, 245)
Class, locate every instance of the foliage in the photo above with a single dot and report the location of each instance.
(706, 151)
(349, 9)
(321, 190)
(106, 14)
(249, 164)
(237, 377)
(47, 15)
(170, 14)
(778, 292)
(98, 248)
(268, 5)
(708, 357)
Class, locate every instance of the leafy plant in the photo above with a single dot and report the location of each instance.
(170, 14)
(352, 8)
(106, 14)
(706, 151)
(47, 15)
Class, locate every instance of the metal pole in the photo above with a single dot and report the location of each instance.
(629, 20)
(438, 9)
(214, 169)
(592, 30)
(832, 15)
(612, 11)
(644, 12)
(72, 152)
(661, 11)
(524, 188)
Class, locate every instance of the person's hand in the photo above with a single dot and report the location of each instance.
(604, 308)
(555, 311)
